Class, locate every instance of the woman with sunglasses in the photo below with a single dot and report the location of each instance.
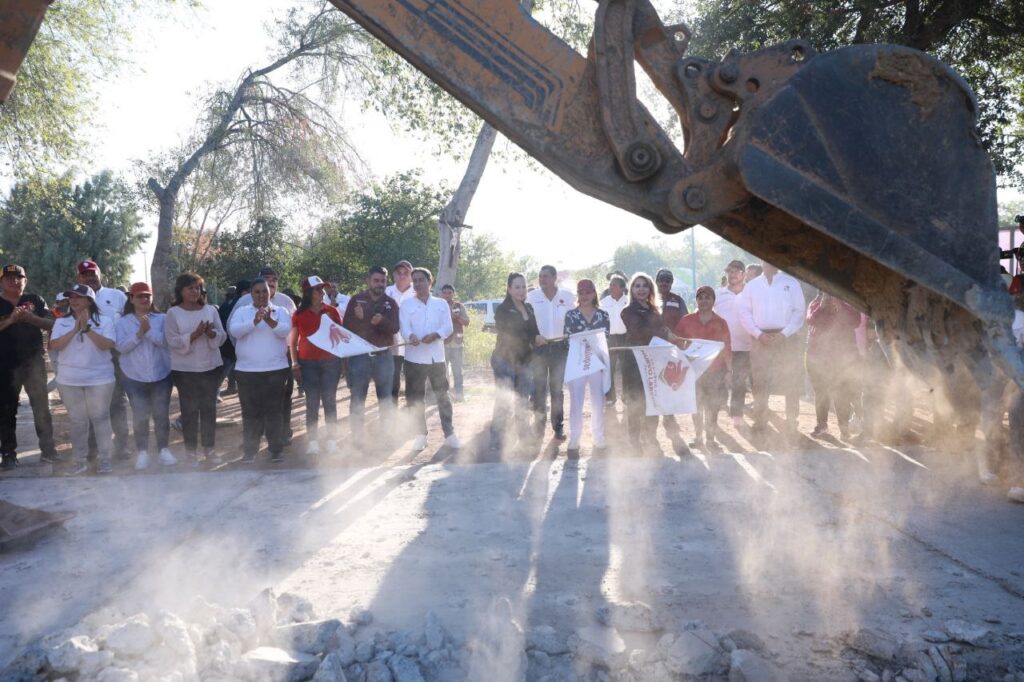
(85, 376)
(146, 365)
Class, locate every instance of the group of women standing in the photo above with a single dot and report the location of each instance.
(181, 348)
(517, 336)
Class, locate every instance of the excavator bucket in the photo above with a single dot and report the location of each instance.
(19, 523)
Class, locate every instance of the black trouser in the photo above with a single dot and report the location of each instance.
(396, 387)
(259, 394)
(416, 377)
(118, 415)
(548, 366)
(740, 377)
(286, 406)
(30, 374)
(639, 424)
(197, 396)
(615, 341)
(829, 379)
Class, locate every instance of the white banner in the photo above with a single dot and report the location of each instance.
(588, 354)
(670, 375)
(335, 339)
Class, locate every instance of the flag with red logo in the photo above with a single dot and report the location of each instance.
(670, 375)
(334, 338)
(588, 354)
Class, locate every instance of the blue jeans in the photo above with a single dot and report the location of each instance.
(514, 382)
(320, 380)
(361, 368)
(150, 399)
(453, 355)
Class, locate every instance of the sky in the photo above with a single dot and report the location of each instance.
(150, 106)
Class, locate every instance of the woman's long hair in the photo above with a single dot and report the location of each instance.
(187, 279)
(652, 300)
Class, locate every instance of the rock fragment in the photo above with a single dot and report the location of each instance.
(78, 655)
(632, 617)
(434, 633)
(404, 669)
(963, 631)
(291, 608)
(378, 671)
(331, 669)
(747, 666)
(545, 638)
(271, 664)
(874, 643)
(311, 637)
(132, 638)
(688, 653)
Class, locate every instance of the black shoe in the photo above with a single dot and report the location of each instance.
(247, 459)
(49, 458)
(572, 454)
(9, 461)
(559, 434)
(819, 430)
(277, 457)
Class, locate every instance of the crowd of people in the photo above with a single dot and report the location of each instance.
(113, 351)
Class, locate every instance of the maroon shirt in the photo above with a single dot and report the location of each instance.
(831, 329)
(381, 335)
(458, 310)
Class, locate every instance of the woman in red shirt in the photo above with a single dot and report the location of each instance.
(318, 370)
(711, 387)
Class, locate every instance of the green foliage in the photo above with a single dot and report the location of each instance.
(240, 255)
(479, 344)
(79, 43)
(49, 225)
(980, 39)
(484, 268)
(389, 221)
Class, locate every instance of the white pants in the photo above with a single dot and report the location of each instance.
(577, 389)
(88, 405)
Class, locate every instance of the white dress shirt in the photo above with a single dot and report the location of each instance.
(614, 309)
(727, 307)
(399, 297)
(147, 359)
(418, 318)
(258, 347)
(551, 312)
(778, 305)
(111, 302)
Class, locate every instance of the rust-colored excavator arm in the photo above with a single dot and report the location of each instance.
(858, 170)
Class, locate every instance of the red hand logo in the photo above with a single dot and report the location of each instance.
(674, 374)
(338, 335)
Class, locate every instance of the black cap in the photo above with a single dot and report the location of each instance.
(664, 273)
(12, 269)
(268, 271)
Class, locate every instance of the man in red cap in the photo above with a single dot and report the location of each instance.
(23, 317)
(111, 302)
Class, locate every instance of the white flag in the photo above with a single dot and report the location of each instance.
(335, 339)
(701, 353)
(670, 386)
(588, 354)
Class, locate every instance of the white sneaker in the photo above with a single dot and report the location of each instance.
(331, 447)
(142, 460)
(420, 443)
(313, 448)
(453, 442)
(167, 458)
(1016, 493)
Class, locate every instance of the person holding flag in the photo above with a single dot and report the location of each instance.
(317, 369)
(586, 317)
(711, 386)
(643, 323)
(371, 315)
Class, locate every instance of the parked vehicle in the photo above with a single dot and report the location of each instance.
(484, 309)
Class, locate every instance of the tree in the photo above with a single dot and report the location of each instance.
(274, 136)
(79, 42)
(240, 254)
(49, 225)
(487, 268)
(978, 38)
(388, 222)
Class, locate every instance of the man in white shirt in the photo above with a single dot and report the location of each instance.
(333, 297)
(613, 304)
(726, 306)
(281, 300)
(111, 302)
(401, 291)
(426, 321)
(772, 311)
(550, 304)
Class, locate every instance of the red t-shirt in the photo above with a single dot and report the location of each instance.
(306, 323)
(717, 329)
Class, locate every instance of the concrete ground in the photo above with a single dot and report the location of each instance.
(797, 544)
